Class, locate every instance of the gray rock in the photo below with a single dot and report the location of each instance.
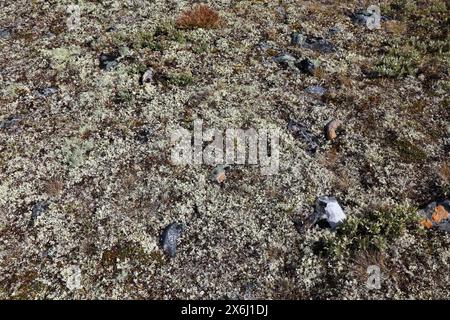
(169, 238)
(319, 44)
(5, 33)
(108, 61)
(37, 210)
(218, 173)
(317, 90)
(329, 210)
(144, 134)
(9, 122)
(297, 38)
(445, 226)
(300, 131)
(360, 17)
(147, 77)
(44, 93)
(313, 43)
(429, 210)
(285, 59)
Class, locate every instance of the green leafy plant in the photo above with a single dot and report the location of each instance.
(180, 79)
(371, 231)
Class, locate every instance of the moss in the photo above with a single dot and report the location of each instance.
(146, 39)
(126, 250)
(180, 79)
(123, 96)
(399, 62)
(29, 287)
(201, 47)
(167, 31)
(409, 152)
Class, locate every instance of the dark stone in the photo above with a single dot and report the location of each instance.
(108, 61)
(37, 210)
(300, 131)
(143, 135)
(313, 43)
(306, 66)
(44, 93)
(319, 44)
(169, 238)
(298, 224)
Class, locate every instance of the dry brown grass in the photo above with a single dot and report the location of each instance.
(200, 16)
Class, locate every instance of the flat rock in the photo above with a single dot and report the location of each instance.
(319, 44)
(317, 90)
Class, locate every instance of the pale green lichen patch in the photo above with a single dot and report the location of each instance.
(93, 144)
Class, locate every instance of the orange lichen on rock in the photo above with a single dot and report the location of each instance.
(426, 223)
(439, 214)
(201, 16)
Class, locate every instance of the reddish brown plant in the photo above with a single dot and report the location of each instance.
(201, 16)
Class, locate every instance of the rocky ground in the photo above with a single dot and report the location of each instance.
(87, 185)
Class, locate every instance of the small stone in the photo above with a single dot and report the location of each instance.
(285, 59)
(5, 33)
(317, 90)
(169, 238)
(108, 61)
(37, 210)
(218, 173)
(9, 122)
(313, 43)
(143, 135)
(330, 129)
(360, 17)
(297, 38)
(44, 93)
(329, 210)
(300, 131)
(147, 77)
(306, 66)
(319, 44)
